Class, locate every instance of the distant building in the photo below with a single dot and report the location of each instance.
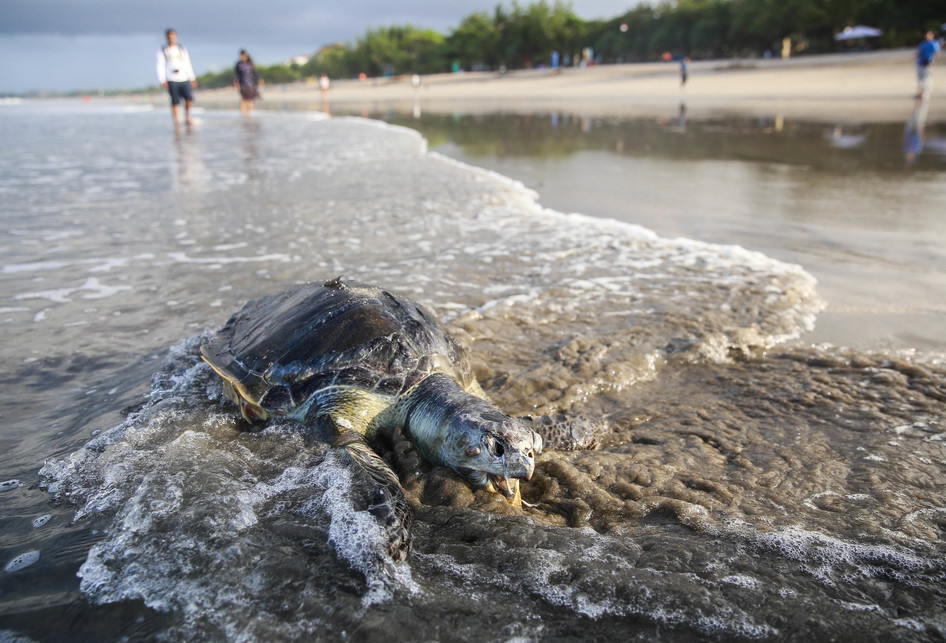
(299, 60)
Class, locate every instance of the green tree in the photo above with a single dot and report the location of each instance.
(708, 34)
(278, 74)
(474, 42)
(422, 51)
(215, 79)
(524, 36)
(529, 36)
(626, 38)
(398, 50)
(331, 60)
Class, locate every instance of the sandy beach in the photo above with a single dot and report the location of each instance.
(866, 87)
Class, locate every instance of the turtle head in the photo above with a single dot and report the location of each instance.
(492, 450)
(455, 429)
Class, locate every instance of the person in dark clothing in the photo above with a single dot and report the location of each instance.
(247, 80)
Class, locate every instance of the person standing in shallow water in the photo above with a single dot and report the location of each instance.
(176, 74)
(247, 80)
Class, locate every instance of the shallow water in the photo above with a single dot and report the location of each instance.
(751, 486)
(841, 199)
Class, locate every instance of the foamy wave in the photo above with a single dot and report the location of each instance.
(589, 263)
(834, 561)
(594, 306)
(182, 496)
(180, 257)
(597, 577)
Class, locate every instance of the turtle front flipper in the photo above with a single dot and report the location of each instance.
(351, 416)
(563, 433)
(388, 502)
(346, 415)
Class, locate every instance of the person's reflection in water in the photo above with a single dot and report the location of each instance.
(252, 130)
(188, 172)
(913, 132)
(676, 125)
(846, 140)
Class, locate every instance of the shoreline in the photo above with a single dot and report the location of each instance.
(843, 89)
(857, 87)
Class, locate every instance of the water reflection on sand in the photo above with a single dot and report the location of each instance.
(845, 199)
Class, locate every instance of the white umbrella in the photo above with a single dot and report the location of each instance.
(858, 31)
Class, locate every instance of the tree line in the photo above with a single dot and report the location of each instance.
(520, 37)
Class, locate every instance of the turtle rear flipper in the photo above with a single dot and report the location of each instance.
(563, 433)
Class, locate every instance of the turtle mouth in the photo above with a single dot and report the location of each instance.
(507, 482)
(508, 487)
(495, 483)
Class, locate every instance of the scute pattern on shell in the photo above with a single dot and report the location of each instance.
(278, 351)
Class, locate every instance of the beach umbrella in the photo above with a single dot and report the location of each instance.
(858, 31)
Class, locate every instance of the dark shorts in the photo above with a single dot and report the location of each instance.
(179, 91)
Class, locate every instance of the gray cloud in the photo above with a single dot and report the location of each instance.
(217, 19)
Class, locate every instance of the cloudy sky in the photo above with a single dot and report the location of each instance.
(67, 45)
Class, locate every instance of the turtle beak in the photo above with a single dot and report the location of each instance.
(516, 466)
(516, 499)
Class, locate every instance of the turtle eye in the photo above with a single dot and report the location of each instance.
(496, 448)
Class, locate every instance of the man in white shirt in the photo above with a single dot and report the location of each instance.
(176, 75)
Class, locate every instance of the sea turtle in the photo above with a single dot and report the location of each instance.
(354, 358)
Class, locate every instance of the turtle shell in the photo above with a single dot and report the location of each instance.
(280, 350)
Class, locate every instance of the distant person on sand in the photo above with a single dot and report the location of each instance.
(247, 80)
(925, 55)
(324, 84)
(176, 74)
(684, 64)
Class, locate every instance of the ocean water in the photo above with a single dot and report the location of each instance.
(858, 205)
(753, 485)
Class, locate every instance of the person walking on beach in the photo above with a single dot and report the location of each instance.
(325, 84)
(925, 55)
(247, 80)
(176, 74)
(684, 64)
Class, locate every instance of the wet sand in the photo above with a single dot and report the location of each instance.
(870, 86)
